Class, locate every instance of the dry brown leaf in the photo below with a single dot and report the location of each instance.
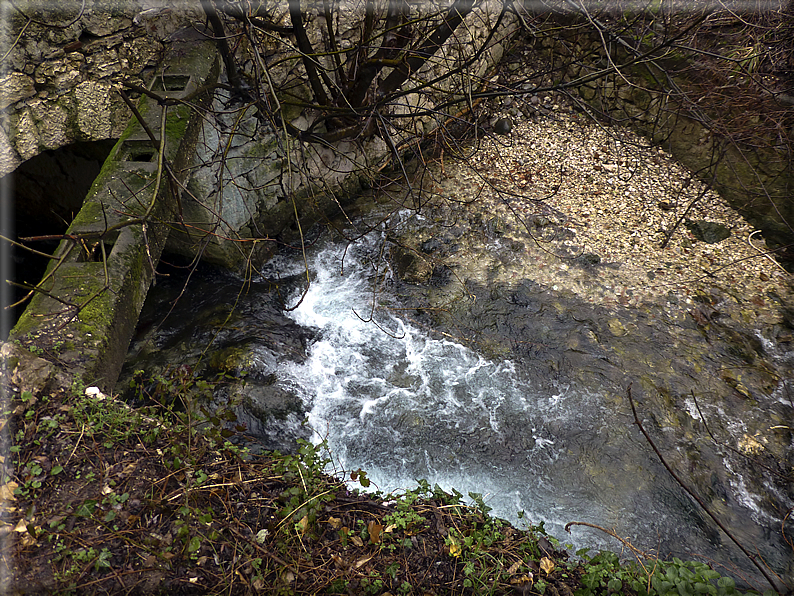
(303, 525)
(374, 529)
(357, 540)
(522, 580)
(514, 567)
(362, 561)
(21, 527)
(335, 522)
(547, 565)
(28, 540)
(7, 491)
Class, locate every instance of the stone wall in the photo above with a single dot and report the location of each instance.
(752, 171)
(63, 63)
(254, 185)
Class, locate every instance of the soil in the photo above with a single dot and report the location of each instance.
(109, 500)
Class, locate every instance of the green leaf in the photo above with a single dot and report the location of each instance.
(56, 470)
(615, 584)
(726, 582)
(194, 544)
(86, 509)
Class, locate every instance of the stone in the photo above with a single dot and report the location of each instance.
(28, 372)
(14, 87)
(94, 115)
(503, 126)
(708, 231)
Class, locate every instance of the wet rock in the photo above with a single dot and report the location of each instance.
(442, 275)
(588, 258)
(411, 267)
(503, 126)
(616, 328)
(708, 231)
(431, 245)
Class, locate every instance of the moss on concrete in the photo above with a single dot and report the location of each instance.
(86, 322)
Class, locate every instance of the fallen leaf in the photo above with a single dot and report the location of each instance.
(454, 548)
(547, 565)
(28, 540)
(303, 525)
(362, 561)
(522, 580)
(7, 491)
(514, 567)
(374, 529)
(335, 522)
(357, 540)
(21, 527)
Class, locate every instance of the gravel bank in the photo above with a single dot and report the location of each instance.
(593, 205)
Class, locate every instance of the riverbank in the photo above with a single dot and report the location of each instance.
(101, 498)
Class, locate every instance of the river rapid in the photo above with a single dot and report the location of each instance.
(486, 338)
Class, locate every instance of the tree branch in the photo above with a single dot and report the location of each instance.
(697, 499)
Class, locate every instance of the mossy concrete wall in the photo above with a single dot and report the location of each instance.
(87, 306)
(64, 59)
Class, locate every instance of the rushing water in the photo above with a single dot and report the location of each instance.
(404, 405)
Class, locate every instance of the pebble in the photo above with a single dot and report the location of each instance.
(563, 173)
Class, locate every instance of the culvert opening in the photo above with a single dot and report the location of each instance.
(138, 151)
(44, 194)
(170, 83)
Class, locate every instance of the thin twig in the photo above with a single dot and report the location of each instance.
(697, 499)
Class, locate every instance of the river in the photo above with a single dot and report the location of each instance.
(398, 397)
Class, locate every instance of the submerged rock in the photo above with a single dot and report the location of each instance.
(708, 231)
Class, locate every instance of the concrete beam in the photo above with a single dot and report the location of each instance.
(85, 312)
